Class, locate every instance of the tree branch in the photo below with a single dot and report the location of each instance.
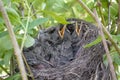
(14, 42)
(106, 47)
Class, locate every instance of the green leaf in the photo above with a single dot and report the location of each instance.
(37, 22)
(13, 15)
(7, 57)
(98, 40)
(116, 38)
(14, 77)
(29, 41)
(1, 62)
(37, 3)
(16, 29)
(113, 9)
(58, 18)
(4, 33)
(5, 43)
(116, 58)
(6, 2)
(104, 3)
(1, 21)
(105, 61)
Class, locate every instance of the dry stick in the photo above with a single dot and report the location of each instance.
(14, 42)
(105, 46)
(104, 29)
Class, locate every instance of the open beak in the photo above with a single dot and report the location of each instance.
(77, 29)
(62, 31)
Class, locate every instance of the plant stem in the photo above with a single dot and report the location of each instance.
(100, 11)
(24, 38)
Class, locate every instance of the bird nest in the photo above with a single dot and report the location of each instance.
(59, 53)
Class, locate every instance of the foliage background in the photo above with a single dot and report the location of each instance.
(29, 16)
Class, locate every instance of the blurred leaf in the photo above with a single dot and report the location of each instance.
(5, 43)
(29, 41)
(105, 61)
(4, 33)
(16, 29)
(6, 2)
(7, 57)
(14, 77)
(98, 40)
(113, 9)
(1, 62)
(104, 3)
(1, 20)
(58, 18)
(37, 22)
(116, 58)
(37, 3)
(13, 15)
(116, 38)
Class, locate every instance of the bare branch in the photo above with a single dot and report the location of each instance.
(14, 42)
(105, 46)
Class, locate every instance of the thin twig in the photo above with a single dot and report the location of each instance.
(109, 21)
(24, 38)
(105, 46)
(28, 67)
(100, 11)
(14, 42)
(104, 29)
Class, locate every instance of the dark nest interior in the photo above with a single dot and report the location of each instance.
(59, 53)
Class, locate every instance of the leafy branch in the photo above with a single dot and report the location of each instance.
(14, 42)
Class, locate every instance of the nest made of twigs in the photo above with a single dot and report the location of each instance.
(56, 58)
